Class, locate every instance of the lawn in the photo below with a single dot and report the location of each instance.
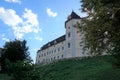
(92, 68)
(95, 68)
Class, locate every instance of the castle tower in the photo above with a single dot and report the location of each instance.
(74, 38)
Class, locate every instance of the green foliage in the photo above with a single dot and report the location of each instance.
(5, 77)
(14, 51)
(22, 71)
(16, 61)
(95, 68)
(102, 27)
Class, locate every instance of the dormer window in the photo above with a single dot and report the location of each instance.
(55, 42)
(49, 44)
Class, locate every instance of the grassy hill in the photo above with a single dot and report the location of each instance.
(95, 68)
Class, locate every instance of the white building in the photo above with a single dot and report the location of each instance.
(69, 45)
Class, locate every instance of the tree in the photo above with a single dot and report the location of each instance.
(14, 51)
(17, 63)
(102, 27)
(21, 70)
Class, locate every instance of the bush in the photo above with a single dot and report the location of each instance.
(22, 71)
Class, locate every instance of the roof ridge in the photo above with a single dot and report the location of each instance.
(51, 43)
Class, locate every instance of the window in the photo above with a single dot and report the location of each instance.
(62, 48)
(69, 27)
(58, 57)
(68, 35)
(49, 52)
(55, 42)
(43, 60)
(54, 58)
(48, 60)
(49, 44)
(55, 50)
(58, 49)
(52, 51)
(62, 56)
(44, 54)
(38, 61)
(77, 31)
(68, 45)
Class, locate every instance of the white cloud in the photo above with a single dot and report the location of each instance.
(35, 49)
(51, 13)
(3, 35)
(9, 17)
(5, 39)
(13, 1)
(31, 21)
(21, 25)
(38, 38)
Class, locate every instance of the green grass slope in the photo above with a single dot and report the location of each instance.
(95, 68)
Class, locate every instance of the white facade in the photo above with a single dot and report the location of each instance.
(69, 45)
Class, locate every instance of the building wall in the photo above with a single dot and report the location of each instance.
(52, 53)
(70, 47)
(76, 40)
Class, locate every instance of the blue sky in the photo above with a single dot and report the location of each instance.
(36, 21)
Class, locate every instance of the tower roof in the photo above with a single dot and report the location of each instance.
(73, 15)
